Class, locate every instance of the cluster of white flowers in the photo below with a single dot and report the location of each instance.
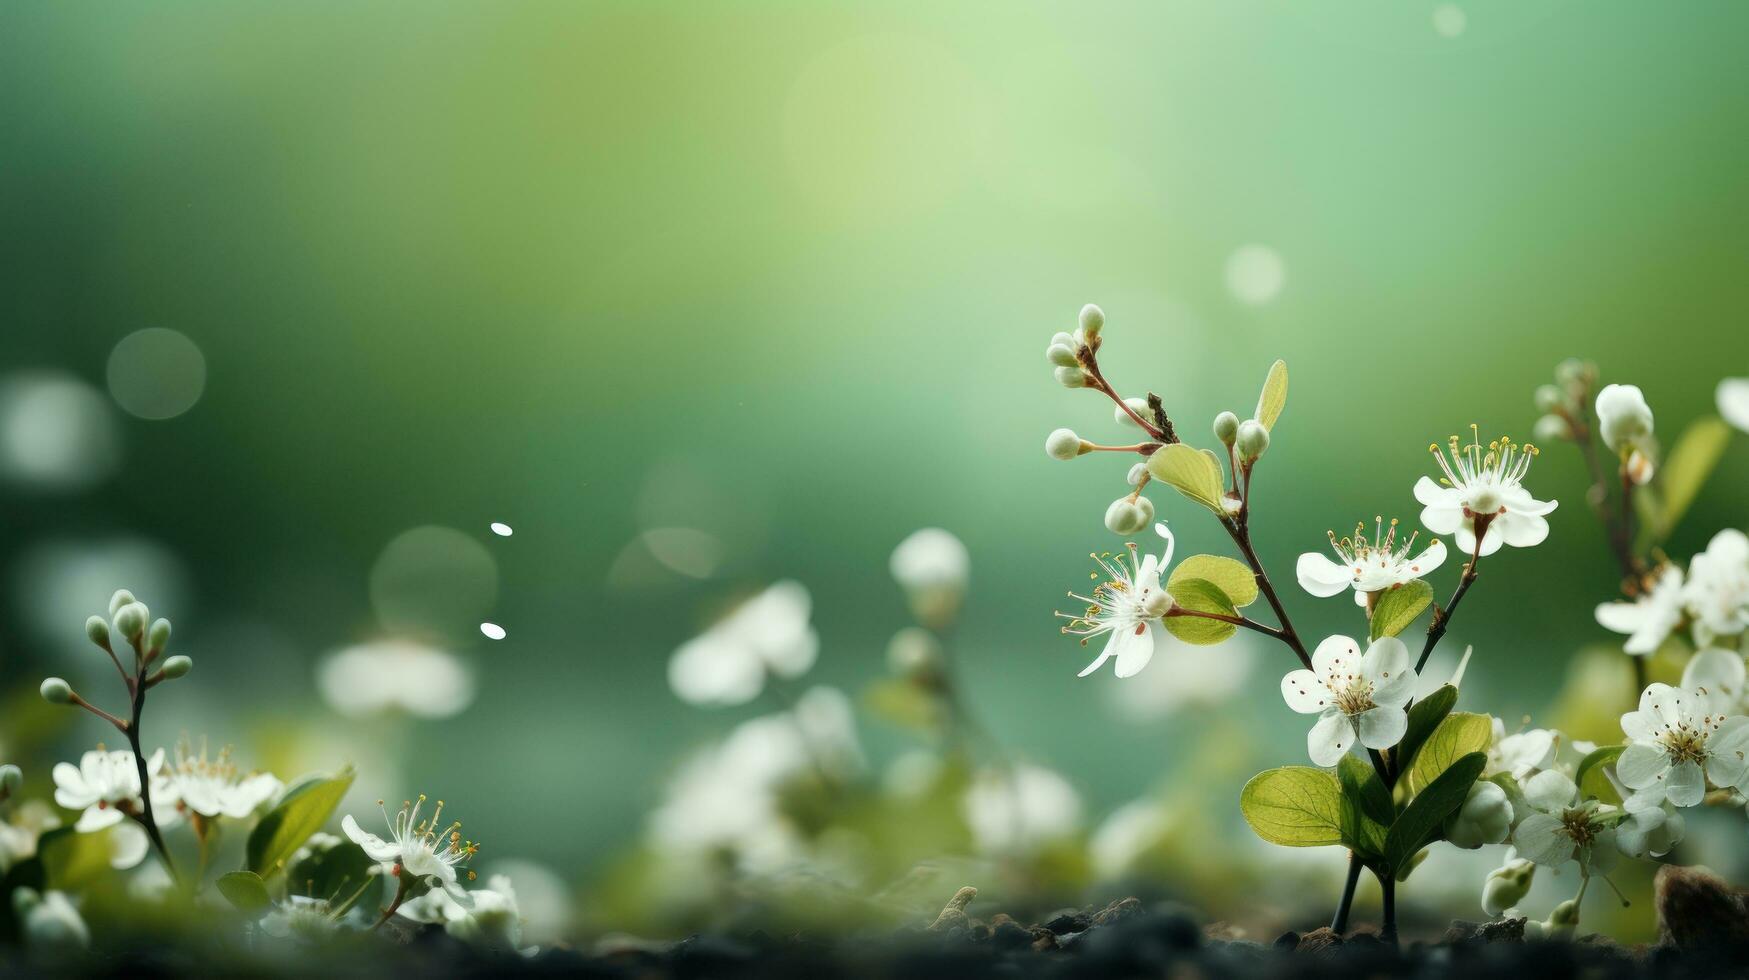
(767, 636)
(1710, 602)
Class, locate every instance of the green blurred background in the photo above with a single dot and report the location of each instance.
(783, 273)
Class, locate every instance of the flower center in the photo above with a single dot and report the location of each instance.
(1355, 698)
(1482, 472)
(1383, 550)
(1685, 744)
(1577, 824)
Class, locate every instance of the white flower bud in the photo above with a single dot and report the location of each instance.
(1507, 885)
(1484, 818)
(1551, 428)
(131, 619)
(1549, 398)
(1092, 321)
(1226, 428)
(1573, 371)
(1071, 377)
(177, 666)
(11, 777)
(1064, 339)
(1639, 468)
(913, 652)
(56, 691)
(1138, 473)
(1061, 355)
(1126, 517)
(1252, 439)
(1137, 405)
(1561, 923)
(1063, 444)
(121, 598)
(1623, 417)
(158, 637)
(97, 629)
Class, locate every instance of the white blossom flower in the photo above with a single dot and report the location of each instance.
(395, 675)
(1651, 617)
(49, 922)
(106, 787)
(729, 663)
(304, 918)
(1484, 484)
(1562, 829)
(1733, 401)
(425, 849)
(1368, 566)
(1623, 417)
(214, 788)
(1352, 695)
(1676, 743)
(22, 828)
(1020, 808)
(1717, 590)
(493, 920)
(932, 566)
(1522, 753)
(1127, 607)
(1650, 831)
(1721, 674)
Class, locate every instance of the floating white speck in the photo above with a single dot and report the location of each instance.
(502, 530)
(492, 631)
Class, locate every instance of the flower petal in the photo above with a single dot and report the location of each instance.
(1642, 764)
(1382, 727)
(1386, 665)
(96, 818)
(1330, 738)
(1550, 790)
(1733, 401)
(1684, 785)
(1304, 692)
(1336, 657)
(374, 846)
(1540, 838)
(1135, 647)
(1620, 617)
(1521, 530)
(128, 845)
(1427, 561)
(1322, 577)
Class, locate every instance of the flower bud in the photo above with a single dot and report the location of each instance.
(1551, 428)
(1138, 474)
(1549, 398)
(1574, 372)
(1062, 355)
(1226, 428)
(1126, 517)
(158, 637)
(131, 619)
(1638, 468)
(11, 777)
(121, 598)
(97, 629)
(56, 691)
(1507, 885)
(1561, 922)
(177, 666)
(1071, 377)
(913, 653)
(1139, 406)
(1485, 817)
(1092, 321)
(1063, 444)
(1252, 440)
(1623, 417)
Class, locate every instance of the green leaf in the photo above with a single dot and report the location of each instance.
(1196, 473)
(246, 892)
(1295, 806)
(1398, 607)
(1424, 716)
(1200, 595)
(71, 860)
(1366, 807)
(1233, 578)
(1686, 468)
(1460, 734)
(341, 873)
(1420, 821)
(1593, 778)
(301, 811)
(1274, 396)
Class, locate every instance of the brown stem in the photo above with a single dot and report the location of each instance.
(1096, 380)
(1249, 624)
(400, 896)
(1240, 531)
(120, 725)
(1442, 617)
(1619, 531)
(146, 817)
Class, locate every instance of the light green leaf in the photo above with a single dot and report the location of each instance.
(1460, 734)
(1274, 396)
(1686, 468)
(1366, 807)
(1200, 595)
(1295, 806)
(1233, 578)
(301, 811)
(1420, 821)
(1424, 716)
(1196, 473)
(246, 892)
(1398, 607)
(1592, 775)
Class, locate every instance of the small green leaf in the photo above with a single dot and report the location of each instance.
(1196, 473)
(1397, 607)
(1460, 734)
(246, 892)
(1295, 806)
(1200, 595)
(1366, 807)
(1274, 396)
(301, 811)
(1233, 578)
(1593, 778)
(1424, 716)
(1420, 821)
(1686, 468)
(342, 873)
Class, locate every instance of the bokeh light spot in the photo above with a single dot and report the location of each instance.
(1255, 274)
(156, 373)
(433, 580)
(1450, 20)
(56, 432)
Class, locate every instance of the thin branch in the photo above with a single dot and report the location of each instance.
(1250, 624)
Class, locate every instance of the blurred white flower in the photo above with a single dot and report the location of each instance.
(1676, 744)
(1019, 808)
(544, 899)
(1721, 674)
(1650, 831)
(1127, 608)
(304, 918)
(1185, 676)
(1128, 833)
(22, 828)
(214, 788)
(1368, 566)
(1623, 417)
(1651, 617)
(1353, 695)
(933, 567)
(1255, 274)
(1487, 483)
(106, 787)
(427, 848)
(729, 663)
(1561, 828)
(56, 432)
(493, 921)
(1733, 401)
(395, 674)
(49, 922)
(1717, 590)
